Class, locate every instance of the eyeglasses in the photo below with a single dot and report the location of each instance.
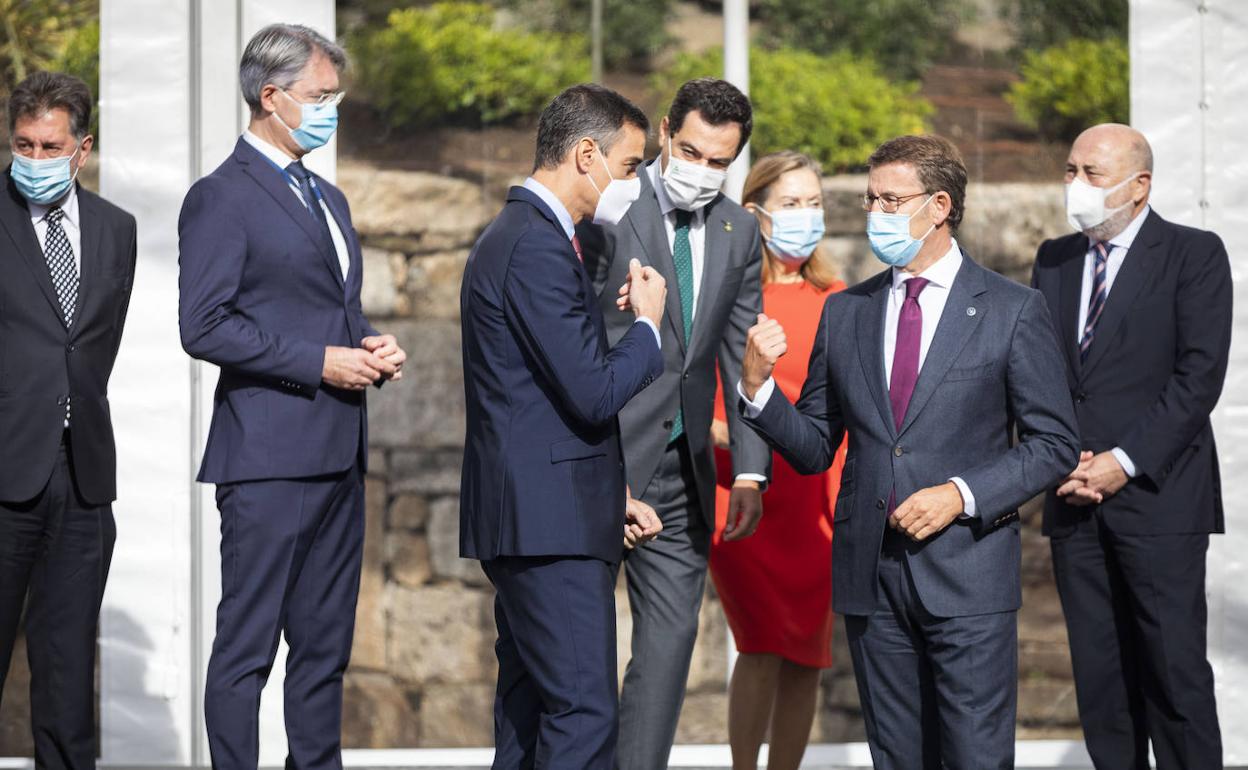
(333, 98)
(889, 203)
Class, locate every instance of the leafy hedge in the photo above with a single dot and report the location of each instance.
(448, 64)
(1066, 88)
(836, 108)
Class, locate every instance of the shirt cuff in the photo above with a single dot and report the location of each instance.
(658, 339)
(1128, 467)
(760, 478)
(968, 500)
(755, 408)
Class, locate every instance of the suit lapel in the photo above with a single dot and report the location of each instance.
(15, 219)
(957, 322)
(269, 178)
(92, 230)
(1070, 288)
(646, 219)
(870, 333)
(1136, 269)
(717, 245)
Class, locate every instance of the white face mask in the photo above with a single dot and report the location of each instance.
(690, 186)
(1085, 204)
(615, 199)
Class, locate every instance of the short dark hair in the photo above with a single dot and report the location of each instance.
(717, 101)
(585, 110)
(936, 161)
(44, 91)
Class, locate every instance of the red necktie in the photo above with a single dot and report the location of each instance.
(906, 353)
(576, 244)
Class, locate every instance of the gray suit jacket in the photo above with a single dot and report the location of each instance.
(994, 368)
(729, 301)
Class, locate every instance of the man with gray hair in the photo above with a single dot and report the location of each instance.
(270, 292)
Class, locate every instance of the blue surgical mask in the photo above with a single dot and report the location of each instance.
(890, 238)
(794, 233)
(317, 123)
(44, 181)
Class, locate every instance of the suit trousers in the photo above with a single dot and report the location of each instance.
(1136, 615)
(936, 692)
(55, 552)
(666, 579)
(555, 706)
(291, 552)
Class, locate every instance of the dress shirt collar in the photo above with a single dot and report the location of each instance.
(1125, 238)
(939, 274)
(276, 156)
(556, 205)
(68, 204)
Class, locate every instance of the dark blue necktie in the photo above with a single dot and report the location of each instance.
(303, 178)
(1096, 300)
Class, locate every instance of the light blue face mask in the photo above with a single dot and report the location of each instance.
(317, 123)
(44, 181)
(794, 233)
(890, 238)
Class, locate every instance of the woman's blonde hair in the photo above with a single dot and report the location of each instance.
(763, 175)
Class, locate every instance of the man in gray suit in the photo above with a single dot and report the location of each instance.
(709, 248)
(932, 367)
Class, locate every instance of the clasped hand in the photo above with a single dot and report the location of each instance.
(1097, 477)
(378, 358)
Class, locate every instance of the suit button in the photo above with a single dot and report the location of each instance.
(686, 376)
(898, 451)
(60, 400)
(1080, 397)
(667, 424)
(70, 348)
(879, 503)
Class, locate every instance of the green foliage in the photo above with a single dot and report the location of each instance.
(33, 32)
(448, 64)
(1043, 23)
(1074, 85)
(903, 36)
(81, 58)
(633, 31)
(835, 108)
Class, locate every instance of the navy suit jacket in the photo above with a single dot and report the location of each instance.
(543, 471)
(261, 296)
(993, 368)
(1152, 376)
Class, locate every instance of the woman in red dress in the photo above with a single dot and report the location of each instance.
(776, 586)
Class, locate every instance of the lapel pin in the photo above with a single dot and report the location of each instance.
(970, 311)
(727, 226)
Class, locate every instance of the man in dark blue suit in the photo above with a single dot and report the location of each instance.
(270, 292)
(932, 366)
(543, 503)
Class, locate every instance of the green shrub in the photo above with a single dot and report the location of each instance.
(903, 36)
(1066, 88)
(33, 32)
(633, 31)
(835, 108)
(1043, 23)
(449, 64)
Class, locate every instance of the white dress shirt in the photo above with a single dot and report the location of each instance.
(932, 300)
(697, 230)
(282, 160)
(1119, 245)
(569, 229)
(71, 223)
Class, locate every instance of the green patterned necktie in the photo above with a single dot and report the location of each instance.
(682, 255)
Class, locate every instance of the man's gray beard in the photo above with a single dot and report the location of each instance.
(1112, 226)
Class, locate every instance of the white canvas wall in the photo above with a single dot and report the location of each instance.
(1189, 95)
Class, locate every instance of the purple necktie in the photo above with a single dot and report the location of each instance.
(906, 353)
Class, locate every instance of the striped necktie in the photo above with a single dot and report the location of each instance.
(682, 256)
(1096, 301)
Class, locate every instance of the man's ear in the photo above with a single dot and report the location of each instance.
(585, 151)
(1143, 186)
(268, 93)
(942, 207)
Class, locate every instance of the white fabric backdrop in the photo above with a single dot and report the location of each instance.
(1189, 95)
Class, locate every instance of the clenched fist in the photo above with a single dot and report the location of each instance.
(644, 293)
(764, 346)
